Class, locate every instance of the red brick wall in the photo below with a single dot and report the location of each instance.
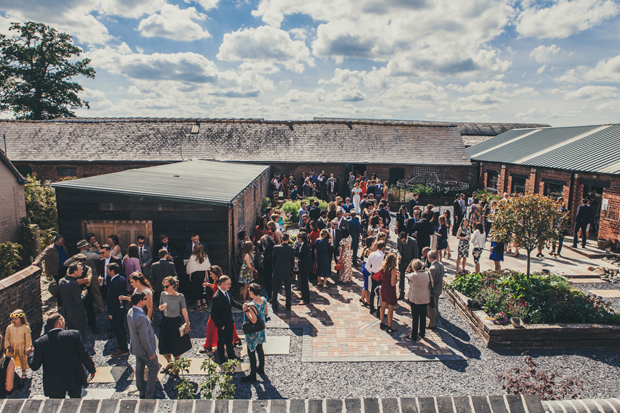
(22, 290)
(610, 220)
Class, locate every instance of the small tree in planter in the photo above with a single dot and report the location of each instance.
(532, 220)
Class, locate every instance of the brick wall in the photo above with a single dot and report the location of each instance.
(22, 290)
(610, 219)
(49, 171)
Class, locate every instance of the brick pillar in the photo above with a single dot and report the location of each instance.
(530, 183)
(501, 181)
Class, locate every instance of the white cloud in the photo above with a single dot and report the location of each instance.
(205, 4)
(542, 53)
(265, 44)
(420, 38)
(481, 87)
(612, 106)
(592, 93)
(345, 77)
(541, 69)
(474, 103)
(129, 8)
(606, 70)
(175, 24)
(564, 17)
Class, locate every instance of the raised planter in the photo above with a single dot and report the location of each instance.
(534, 335)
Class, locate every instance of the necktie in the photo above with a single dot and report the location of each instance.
(227, 297)
(141, 253)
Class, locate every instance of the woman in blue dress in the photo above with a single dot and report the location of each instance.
(257, 307)
(321, 247)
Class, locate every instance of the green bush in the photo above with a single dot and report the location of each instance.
(9, 258)
(542, 298)
(291, 208)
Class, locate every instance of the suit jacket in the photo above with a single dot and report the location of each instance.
(585, 214)
(221, 312)
(344, 223)
(101, 270)
(408, 252)
(50, 256)
(189, 249)
(117, 287)
(437, 274)
(283, 260)
(305, 258)
(160, 270)
(355, 229)
(91, 260)
(171, 252)
(62, 354)
(70, 293)
(412, 204)
(458, 211)
(321, 224)
(424, 230)
(332, 186)
(146, 258)
(315, 214)
(141, 335)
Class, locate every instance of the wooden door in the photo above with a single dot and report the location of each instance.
(126, 231)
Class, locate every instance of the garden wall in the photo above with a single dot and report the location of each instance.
(534, 335)
(22, 290)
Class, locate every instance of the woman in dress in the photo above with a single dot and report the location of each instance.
(442, 237)
(386, 190)
(285, 186)
(215, 272)
(274, 232)
(261, 228)
(388, 291)
(331, 211)
(197, 266)
(346, 256)
(356, 195)
(131, 264)
(463, 235)
(247, 268)
(446, 215)
(401, 220)
(475, 213)
(171, 343)
(368, 249)
(321, 257)
(141, 285)
(7, 371)
(257, 308)
(497, 254)
(477, 242)
(420, 284)
(114, 242)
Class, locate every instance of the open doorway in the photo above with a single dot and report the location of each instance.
(595, 195)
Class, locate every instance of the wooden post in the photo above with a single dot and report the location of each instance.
(37, 239)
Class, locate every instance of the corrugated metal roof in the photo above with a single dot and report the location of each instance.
(497, 140)
(593, 149)
(207, 182)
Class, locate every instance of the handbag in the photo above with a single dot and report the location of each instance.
(378, 276)
(339, 266)
(250, 327)
(182, 329)
(431, 304)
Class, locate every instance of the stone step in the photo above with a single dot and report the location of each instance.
(475, 404)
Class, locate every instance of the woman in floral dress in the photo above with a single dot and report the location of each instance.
(255, 341)
(463, 235)
(346, 256)
(246, 275)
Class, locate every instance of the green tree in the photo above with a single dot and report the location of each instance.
(36, 73)
(532, 220)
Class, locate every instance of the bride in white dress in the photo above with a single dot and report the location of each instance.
(356, 196)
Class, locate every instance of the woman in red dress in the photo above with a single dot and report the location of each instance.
(285, 185)
(215, 272)
(313, 236)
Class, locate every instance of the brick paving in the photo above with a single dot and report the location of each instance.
(339, 328)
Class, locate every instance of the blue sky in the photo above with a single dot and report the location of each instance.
(555, 62)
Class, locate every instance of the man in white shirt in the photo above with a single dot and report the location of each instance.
(373, 265)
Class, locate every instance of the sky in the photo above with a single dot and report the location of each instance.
(554, 62)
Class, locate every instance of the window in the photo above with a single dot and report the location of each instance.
(554, 191)
(66, 171)
(492, 178)
(25, 170)
(396, 174)
(518, 185)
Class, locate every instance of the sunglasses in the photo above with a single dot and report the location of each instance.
(140, 243)
(166, 286)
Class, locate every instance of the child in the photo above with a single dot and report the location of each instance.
(17, 340)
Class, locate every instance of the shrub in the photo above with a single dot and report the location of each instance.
(292, 207)
(218, 381)
(542, 298)
(9, 259)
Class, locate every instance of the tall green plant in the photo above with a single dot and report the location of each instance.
(9, 258)
(217, 384)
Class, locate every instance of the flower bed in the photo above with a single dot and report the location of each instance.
(555, 314)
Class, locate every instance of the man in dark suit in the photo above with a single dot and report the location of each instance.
(164, 243)
(342, 221)
(102, 264)
(283, 261)
(160, 270)
(332, 188)
(584, 217)
(413, 202)
(195, 240)
(355, 230)
(458, 214)
(407, 252)
(221, 314)
(332, 250)
(117, 313)
(63, 357)
(322, 222)
(305, 266)
(422, 232)
(315, 212)
(73, 297)
(146, 257)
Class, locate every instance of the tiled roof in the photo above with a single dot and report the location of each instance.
(243, 140)
(189, 181)
(593, 149)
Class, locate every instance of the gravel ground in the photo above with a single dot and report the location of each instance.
(288, 377)
(615, 302)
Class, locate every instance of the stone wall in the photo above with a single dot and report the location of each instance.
(22, 290)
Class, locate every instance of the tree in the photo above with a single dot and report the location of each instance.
(532, 220)
(36, 74)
